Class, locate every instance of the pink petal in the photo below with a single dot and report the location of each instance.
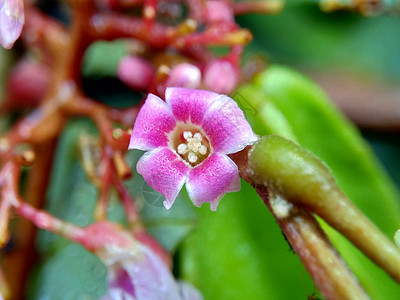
(152, 125)
(189, 292)
(212, 179)
(226, 127)
(151, 277)
(137, 273)
(189, 105)
(164, 171)
(12, 19)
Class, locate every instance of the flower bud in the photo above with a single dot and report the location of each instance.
(136, 72)
(184, 75)
(27, 84)
(11, 21)
(218, 12)
(221, 76)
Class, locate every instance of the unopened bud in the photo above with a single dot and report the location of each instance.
(184, 75)
(136, 72)
(27, 84)
(218, 12)
(221, 76)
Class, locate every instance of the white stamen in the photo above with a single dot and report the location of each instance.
(203, 149)
(192, 157)
(194, 144)
(187, 135)
(198, 136)
(182, 149)
(192, 149)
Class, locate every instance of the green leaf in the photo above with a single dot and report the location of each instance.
(102, 58)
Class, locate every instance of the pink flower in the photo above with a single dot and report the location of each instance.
(11, 21)
(188, 138)
(139, 274)
(135, 271)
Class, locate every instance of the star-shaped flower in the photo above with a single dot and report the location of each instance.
(188, 138)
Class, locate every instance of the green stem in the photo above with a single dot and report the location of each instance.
(302, 179)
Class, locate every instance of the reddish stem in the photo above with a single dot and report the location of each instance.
(19, 261)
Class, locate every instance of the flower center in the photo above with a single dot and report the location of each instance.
(194, 148)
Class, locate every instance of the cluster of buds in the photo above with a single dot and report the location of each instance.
(221, 75)
(190, 64)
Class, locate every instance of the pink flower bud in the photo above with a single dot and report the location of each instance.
(221, 76)
(27, 84)
(136, 72)
(11, 21)
(218, 12)
(184, 75)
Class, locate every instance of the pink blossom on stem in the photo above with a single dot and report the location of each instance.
(188, 138)
(12, 19)
(135, 271)
(136, 72)
(221, 76)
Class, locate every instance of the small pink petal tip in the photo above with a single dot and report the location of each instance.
(12, 20)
